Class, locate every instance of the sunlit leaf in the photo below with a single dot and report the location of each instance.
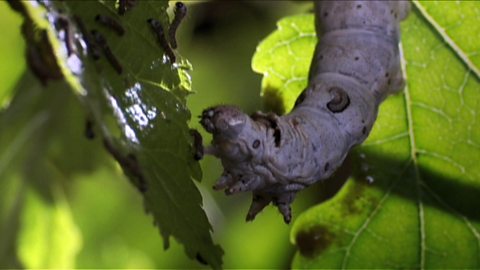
(283, 59)
(421, 211)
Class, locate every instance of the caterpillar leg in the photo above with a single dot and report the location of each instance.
(246, 183)
(224, 181)
(259, 202)
(283, 204)
(286, 211)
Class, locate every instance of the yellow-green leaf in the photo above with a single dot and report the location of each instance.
(283, 59)
(54, 239)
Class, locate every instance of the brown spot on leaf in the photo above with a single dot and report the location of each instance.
(314, 241)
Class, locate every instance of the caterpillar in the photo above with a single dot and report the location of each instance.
(356, 64)
(110, 23)
(91, 47)
(63, 23)
(180, 13)
(102, 42)
(159, 32)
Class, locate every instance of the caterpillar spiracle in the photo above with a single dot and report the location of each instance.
(356, 64)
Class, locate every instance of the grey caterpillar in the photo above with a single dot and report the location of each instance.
(356, 65)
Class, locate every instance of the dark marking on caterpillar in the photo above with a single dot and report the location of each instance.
(278, 136)
(300, 98)
(271, 121)
(180, 12)
(110, 23)
(129, 164)
(91, 47)
(197, 144)
(102, 42)
(314, 139)
(340, 100)
(158, 29)
(89, 133)
(256, 144)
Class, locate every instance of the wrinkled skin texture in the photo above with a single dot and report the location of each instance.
(355, 66)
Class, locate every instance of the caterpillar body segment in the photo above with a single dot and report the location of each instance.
(356, 65)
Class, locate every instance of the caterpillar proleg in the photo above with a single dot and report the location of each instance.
(356, 65)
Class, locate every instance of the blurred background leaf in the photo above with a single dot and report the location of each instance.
(11, 51)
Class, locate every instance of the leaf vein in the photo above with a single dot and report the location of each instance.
(453, 45)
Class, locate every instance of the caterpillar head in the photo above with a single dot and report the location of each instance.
(228, 126)
(225, 121)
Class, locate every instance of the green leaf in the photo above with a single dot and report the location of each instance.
(11, 49)
(283, 58)
(54, 240)
(456, 28)
(28, 179)
(12, 192)
(421, 211)
(140, 114)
